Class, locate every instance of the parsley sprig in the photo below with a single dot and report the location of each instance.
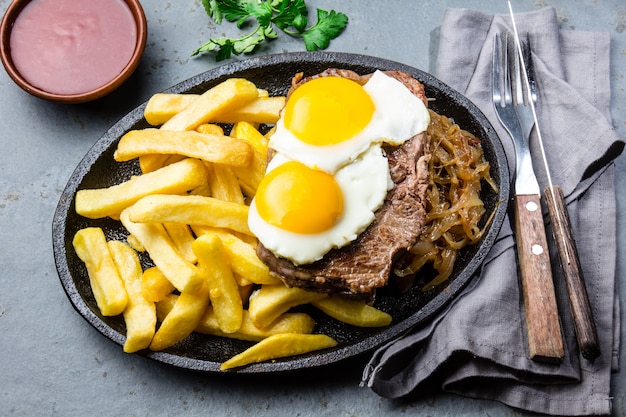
(290, 16)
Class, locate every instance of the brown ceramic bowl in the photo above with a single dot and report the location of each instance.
(104, 87)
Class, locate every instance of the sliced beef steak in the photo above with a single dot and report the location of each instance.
(366, 264)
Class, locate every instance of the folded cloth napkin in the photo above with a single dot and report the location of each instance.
(477, 347)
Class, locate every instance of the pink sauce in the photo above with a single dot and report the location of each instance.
(72, 46)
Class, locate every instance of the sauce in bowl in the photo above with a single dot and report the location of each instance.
(72, 46)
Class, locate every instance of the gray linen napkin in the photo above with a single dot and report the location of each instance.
(477, 347)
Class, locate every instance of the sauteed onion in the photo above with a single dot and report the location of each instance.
(457, 169)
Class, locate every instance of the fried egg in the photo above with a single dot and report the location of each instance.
(329, 173)
(301, 213)
(329, 121)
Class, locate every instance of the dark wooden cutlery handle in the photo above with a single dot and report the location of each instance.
(572, 271)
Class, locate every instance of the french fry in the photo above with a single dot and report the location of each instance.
(279, 346)
(264, 109)
(244, 290)
(182, 319)
(155, 286)
(199, 230)
(224, 291)
(176, 178)
(261, 110)
(251, 176)
(134, 243)
(224, 97)
(355, 312)
(267, 303)
(244, 260)
(150, 163)
(224, 184)
(182, 238)
(207, 147)
(286, 323)
(166, 304)
(139, 314)
(108, 288)
(163, 106)
(210, 128)
(203, 190)
(184, 275)
(192, 210)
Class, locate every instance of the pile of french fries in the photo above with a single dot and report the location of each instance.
(188, 210)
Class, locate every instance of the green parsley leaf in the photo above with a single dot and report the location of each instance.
(290, 16)
(329, 25)
(212, 9)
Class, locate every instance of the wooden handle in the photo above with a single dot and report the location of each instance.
(543, 326)
(572, 271)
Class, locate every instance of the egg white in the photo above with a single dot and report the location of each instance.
(398, 116)
(364, 184)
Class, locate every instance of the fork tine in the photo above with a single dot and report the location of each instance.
(530, 69)
(508, 98)
(496, 93)
(517, 81)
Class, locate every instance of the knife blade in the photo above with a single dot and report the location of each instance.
(569, 260)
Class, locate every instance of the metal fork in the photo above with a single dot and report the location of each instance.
(543, 326)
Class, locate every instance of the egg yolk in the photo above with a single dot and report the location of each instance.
(328, 110)
(299, 199)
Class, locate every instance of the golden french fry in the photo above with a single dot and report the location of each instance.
(264, 109)
(245, 290)
(139, 314)
(210, 128)
(150, 163)
(355, 312)
(134, 243)
(184, 275)
(176, 178)
(286, 323)
(267, 303)
(224, 291)
(192, 210)
(154, 285)
(182, 319)
(166, 304)
(224, 184)
(211, 148)
(251, 175)
(244, 260)
(199, 230)
(279, 346)
(203, 190)
(224, 97)
(163, 106)
(108, 288)
(182, 238)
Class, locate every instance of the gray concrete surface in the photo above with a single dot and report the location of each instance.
(53, 363)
